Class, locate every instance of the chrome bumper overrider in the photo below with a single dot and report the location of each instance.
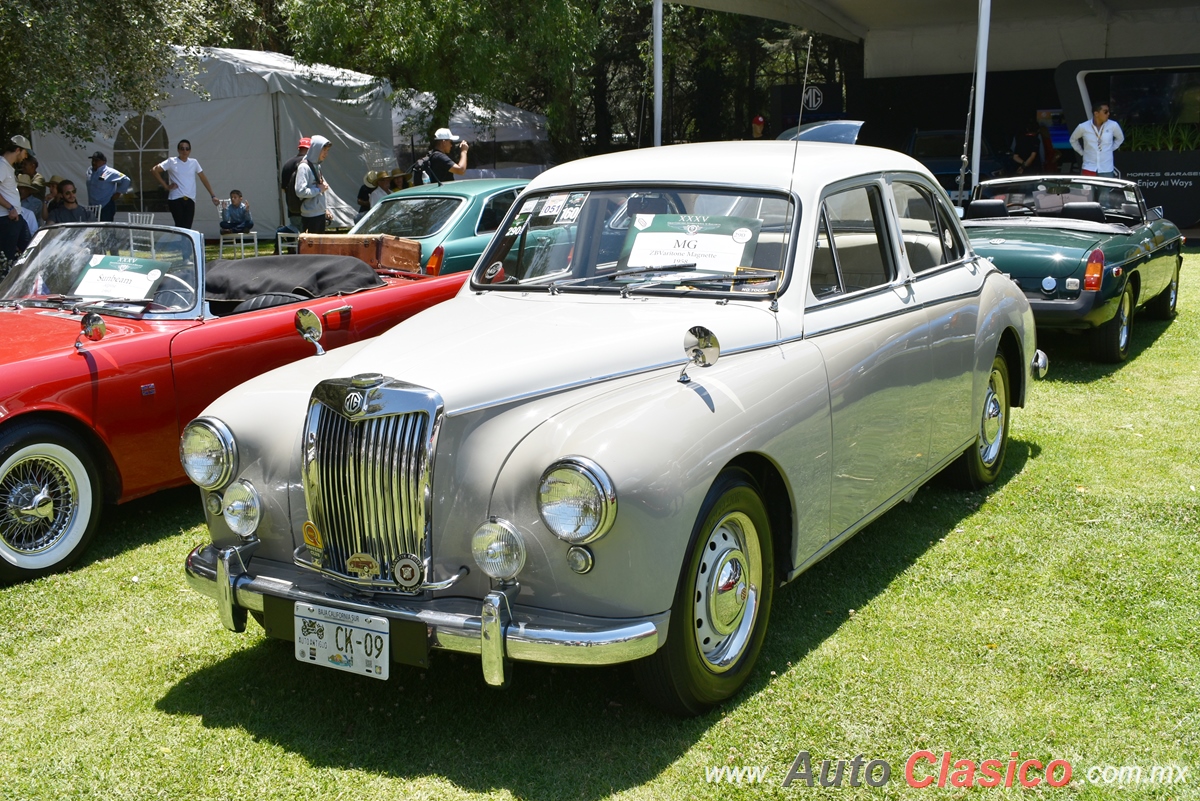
(493, 629)
(1040, 364)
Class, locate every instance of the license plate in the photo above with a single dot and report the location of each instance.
(342, 640)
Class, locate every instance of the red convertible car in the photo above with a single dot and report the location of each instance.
(117, 335)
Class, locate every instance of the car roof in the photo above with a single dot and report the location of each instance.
(1099, 180)
(469, 187)
(769, 164)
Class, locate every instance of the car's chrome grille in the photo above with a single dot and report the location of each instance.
(367, 485)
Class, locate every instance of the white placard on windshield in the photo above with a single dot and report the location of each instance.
(712, 243)
(118, 277)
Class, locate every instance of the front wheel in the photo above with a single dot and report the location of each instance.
(722, 603)
(49, 500)
(1110, 341)
(1162, 307)
(980, 464)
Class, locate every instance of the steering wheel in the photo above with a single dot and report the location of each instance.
(1023, 208)
(186, 295)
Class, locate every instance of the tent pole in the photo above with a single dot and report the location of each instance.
(981, 48)
(658, 23)
(279, 198)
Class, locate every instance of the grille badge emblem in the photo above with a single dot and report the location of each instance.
(363, 565)
(353, 403)
(406, 572)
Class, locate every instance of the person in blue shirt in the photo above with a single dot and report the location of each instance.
(236, 218)
(104, 184)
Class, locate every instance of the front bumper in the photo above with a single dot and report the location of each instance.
(494, 629)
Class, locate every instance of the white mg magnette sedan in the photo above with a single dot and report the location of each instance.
(676, 379)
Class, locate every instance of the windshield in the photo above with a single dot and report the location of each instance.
(409, 217)
(1049, 197)
(642, 239)
(126, 269)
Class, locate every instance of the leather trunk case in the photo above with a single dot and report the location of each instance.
(381, 251)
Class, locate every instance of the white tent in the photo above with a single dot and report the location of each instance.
(509, 142)
(258, 107)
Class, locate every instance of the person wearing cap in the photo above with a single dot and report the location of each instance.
(369, 184)
(311, 187)
(52, 196)
(104, 184)
(444, 167)
(287, 182)
(384, 186)
(756, 127)
(30, 167)
(12, 227)
(183, 170)
(29, 198)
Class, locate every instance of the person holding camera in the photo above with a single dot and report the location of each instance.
(440, 161)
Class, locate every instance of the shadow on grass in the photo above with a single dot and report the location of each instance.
(1070, 352)
(143, 521)
(554, 732)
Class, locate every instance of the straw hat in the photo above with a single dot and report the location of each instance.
(25, 181)
(398, 173)
(371, 178)
(56, 180)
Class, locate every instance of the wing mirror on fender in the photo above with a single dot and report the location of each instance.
(92, 328)
(309, 326)
(701, 348)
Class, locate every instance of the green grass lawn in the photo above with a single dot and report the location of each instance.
(1055, 615)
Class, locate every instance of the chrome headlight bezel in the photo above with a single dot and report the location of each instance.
(603, 496)
(228, 459)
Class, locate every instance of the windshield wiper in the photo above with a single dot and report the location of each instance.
(131, 301)
(711, 278)
(53, 300)
(554, 285)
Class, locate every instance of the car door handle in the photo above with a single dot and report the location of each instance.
(340, 317)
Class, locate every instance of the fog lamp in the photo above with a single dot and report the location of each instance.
(242, 508)
(498, 549)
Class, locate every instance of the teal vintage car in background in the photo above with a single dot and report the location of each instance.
(1086, 251)
(453, 222)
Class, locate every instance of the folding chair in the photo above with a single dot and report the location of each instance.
(139, 239)
(93, 213)
(235, 240)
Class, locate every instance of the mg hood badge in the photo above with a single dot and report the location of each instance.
(353, 403)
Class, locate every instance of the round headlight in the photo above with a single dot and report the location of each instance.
(208, 453)
(241, 508)
(498, 549)
(576, 500)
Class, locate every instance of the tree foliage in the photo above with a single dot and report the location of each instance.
(453, 50)
(75, 65)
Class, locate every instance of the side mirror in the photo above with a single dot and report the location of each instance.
(92, 328)
(701, 348)
(309, 326)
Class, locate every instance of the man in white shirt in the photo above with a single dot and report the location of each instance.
(182, 172)
(1096, 141)
(16, 150)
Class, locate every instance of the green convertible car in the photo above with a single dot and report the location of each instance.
(453, 222)
(1086, 251)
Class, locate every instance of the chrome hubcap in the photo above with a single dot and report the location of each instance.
(37, 504)
(726, 601)
(991, 427)
(1123, 336)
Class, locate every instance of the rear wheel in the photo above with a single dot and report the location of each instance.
(1162, 307)
(981, 463)
(49, 500)
(722, 603)
(1110, 341)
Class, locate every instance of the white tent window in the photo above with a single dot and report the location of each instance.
(141, 143)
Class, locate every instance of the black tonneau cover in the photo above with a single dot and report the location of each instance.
(311, 275)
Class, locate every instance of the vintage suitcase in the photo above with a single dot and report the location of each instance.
(383, 252)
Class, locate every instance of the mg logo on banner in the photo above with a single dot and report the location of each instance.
(813, 98)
